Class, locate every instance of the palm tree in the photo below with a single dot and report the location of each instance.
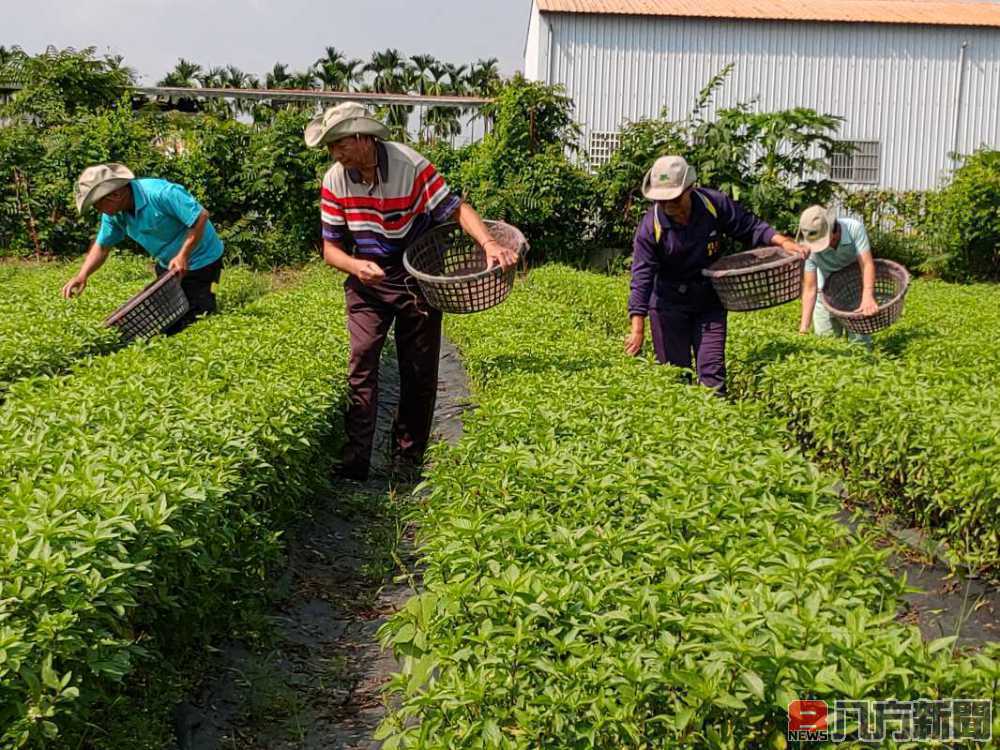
(445, 122)
(388, 68)
(184, 75)
(234, 78)
(483, 80)
(422, 65)
(212, 78)
(458, 83)
(278, 77)
(336, 72)
(332, 57)
(305, 79)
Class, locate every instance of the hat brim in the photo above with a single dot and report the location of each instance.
(319, 134)
(100, 190)
(817, 245)
(662, 193)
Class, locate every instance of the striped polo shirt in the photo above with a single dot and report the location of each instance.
(408, 198)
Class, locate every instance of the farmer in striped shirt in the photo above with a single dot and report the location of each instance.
(377, 199)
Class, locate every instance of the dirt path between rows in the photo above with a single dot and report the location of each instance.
(317, 683)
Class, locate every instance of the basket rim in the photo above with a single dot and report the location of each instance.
(522, 248)
(894, 268)
(148, 291)
(789, 259)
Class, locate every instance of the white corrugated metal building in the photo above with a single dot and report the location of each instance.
(915, 80)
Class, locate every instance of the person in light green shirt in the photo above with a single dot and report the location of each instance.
(834, 244)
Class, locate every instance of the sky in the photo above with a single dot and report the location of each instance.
(254, 34)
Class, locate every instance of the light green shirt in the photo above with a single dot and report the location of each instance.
(853, 242)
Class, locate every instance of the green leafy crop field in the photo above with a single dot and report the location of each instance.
(140, 493)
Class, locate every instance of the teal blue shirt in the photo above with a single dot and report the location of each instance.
(163, 214)
(853, 242)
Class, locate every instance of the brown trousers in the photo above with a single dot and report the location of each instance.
(370, 312)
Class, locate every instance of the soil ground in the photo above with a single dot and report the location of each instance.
(318, 684)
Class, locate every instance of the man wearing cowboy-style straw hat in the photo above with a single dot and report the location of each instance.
(377, 199)
(163, 218)
(679, 236)
(835, 244)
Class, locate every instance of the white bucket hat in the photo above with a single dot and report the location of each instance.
(98, 181)
(669, 177)
(815, 227)
(348, 118)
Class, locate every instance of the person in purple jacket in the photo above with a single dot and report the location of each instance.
(678, 237)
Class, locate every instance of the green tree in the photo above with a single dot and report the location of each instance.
(58, 83)
(336, 72)
(186, 74)
(774, 163)
(388, 69)
(961, 226)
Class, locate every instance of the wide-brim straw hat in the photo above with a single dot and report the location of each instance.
(98, 181)
(346, 119)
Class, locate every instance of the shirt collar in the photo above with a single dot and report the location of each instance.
(139, 199)
(381, 163)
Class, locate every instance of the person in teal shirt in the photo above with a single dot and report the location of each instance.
(164, 219)
(834, 244)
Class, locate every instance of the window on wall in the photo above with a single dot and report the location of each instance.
(602, 146)
(861, 166)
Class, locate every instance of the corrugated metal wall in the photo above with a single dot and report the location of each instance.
(894, 84)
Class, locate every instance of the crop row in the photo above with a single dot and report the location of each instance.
(614, 560)
(140, 495)
(42, 334)
(914, 433)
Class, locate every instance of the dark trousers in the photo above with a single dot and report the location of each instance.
(677, 332)
(198, 288)
(370, 312)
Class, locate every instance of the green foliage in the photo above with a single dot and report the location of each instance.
(59, 83)
(914, 429)
(39, 168)
(141, 497)
(260, 185)
(953, 233)
(769, 161)
(43, 334)
(614, 560)
(962, 225)
(520, 171)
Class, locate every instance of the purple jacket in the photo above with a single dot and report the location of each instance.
(667, 258)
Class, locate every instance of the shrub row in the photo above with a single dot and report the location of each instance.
(142, 496)
(42, 334)
(615, 560)
(914, 429)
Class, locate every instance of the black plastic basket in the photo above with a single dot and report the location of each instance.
(450, 267)
(757, 279)
(841, 295)
(155, 308)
